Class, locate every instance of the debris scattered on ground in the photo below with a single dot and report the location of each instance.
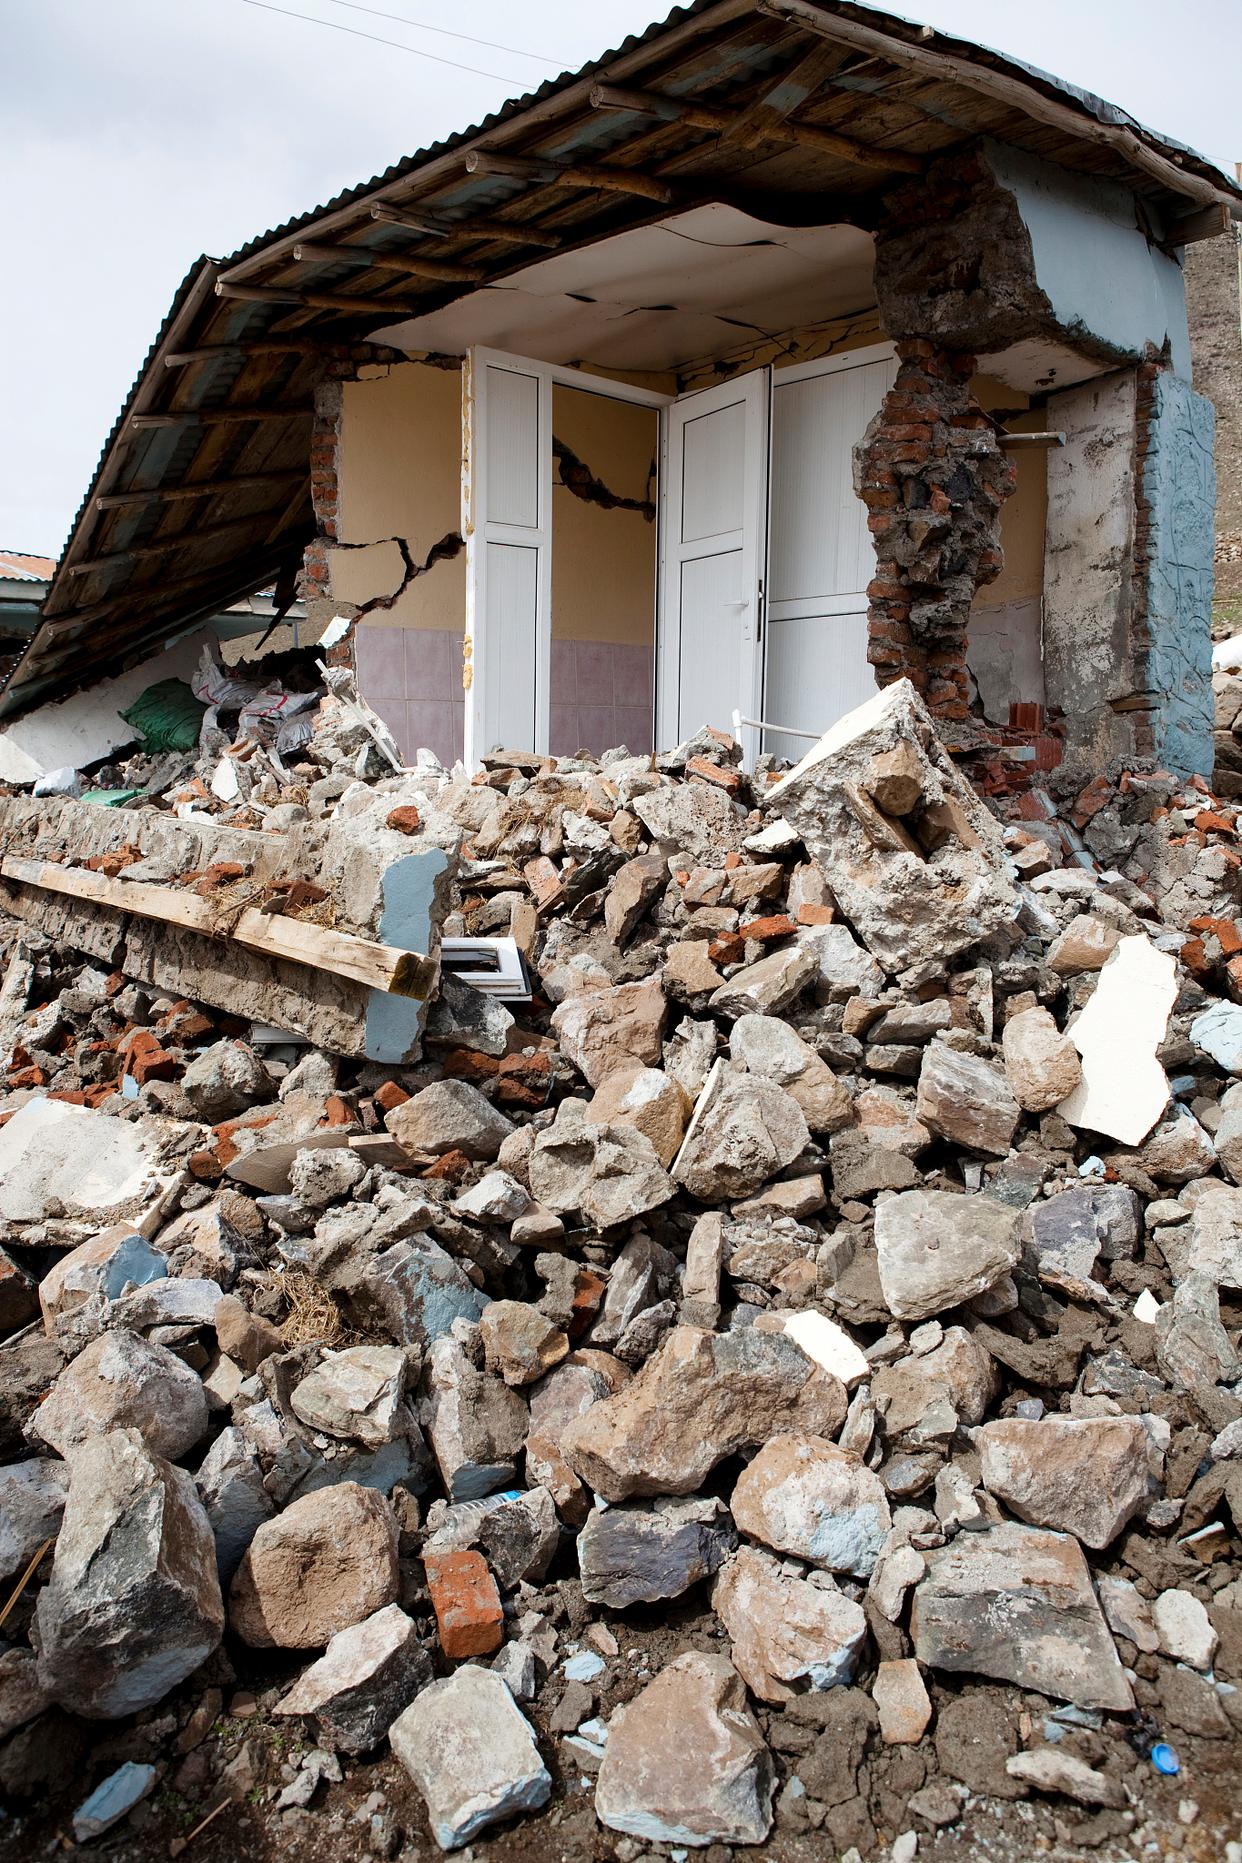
(767, 1367)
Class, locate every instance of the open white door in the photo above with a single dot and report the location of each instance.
(507, 525)
(820, 553)
(713, 507)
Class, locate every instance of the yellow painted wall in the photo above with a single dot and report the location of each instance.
(1024, 515)
(604, 561)
(399, 475)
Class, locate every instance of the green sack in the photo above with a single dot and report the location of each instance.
(166, 716)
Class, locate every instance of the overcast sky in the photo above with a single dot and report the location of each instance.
(137, 134)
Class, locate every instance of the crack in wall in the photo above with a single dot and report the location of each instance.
(577, 477)
(443, 550)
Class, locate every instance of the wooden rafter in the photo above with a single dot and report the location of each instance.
(206, 488)
(217, 417)
(159, 546)
(439, 270)
(727, 123)
(569, 174)
(437, 228)
(315, 300)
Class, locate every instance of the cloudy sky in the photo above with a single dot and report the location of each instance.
(137, 134)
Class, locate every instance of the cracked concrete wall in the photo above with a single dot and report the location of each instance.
(1004, 642)
(1178, 496)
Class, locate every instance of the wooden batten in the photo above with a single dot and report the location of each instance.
(298, 299)
(733, 125)
(159, 546)
(569, 175)
(218, 417)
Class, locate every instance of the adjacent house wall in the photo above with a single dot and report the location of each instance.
(1214, 301)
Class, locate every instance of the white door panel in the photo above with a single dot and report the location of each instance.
(820, 554)
(512, 641)
(714, 509)
(512, 451)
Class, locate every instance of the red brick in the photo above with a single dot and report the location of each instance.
(467, 1605)
(777, 925)
(406, 819)
(390, 1095)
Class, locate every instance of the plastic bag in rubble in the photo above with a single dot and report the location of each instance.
(166, 716)
(217, 688)
(63, 782)
(282, 719)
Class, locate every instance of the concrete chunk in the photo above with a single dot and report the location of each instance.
(471, 1753)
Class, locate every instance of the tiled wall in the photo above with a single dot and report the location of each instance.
(412, 678)
(602, 693)
(602, 696)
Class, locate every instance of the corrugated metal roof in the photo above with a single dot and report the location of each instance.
(20, 566)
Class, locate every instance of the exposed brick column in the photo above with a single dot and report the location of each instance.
(933, 478)
(315, 582)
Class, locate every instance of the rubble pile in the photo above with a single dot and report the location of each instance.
(778, 1379)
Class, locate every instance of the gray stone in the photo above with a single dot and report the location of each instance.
(743, 1132)
(844, 968)
(122, 1381)
(685, 1762)
(1179, 1149)
(609, 1173)
(22, 1696)
(937, 1249)
(471, 1753)
(767, 986)
(496, 1198)
(320, 1175)
(861, 1166)
(641, 1277)
(788, 1633)
(599, 1030)
(768, 1047)
(133, 1603)
(1218, 1031)
(225, 1079)
(449, 1115)
(1086, 1476)
(1042, 1064)
(1047, 1769)
(967, 1100)
(357, 1393)
(803, 1495)
(693, 819)
(32, 1501)
(957, 1371)
(113, 1799)
(1214, 1237)
(477, 1425)
(421, 1290)
(638, 1554)
(1017, 1604)
(368, 1674)
(230, 1486)
(519, 1538)
(463, 1017)
(520, 1342)
(699, 1398)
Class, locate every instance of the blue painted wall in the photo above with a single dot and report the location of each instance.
(1179, 486)
(1098, 271)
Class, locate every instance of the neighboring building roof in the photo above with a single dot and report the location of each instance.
(806, 109)
(19, 566)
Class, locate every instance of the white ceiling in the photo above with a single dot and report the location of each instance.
(697, 285)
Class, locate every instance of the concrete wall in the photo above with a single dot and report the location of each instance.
(1004, 645)
(1088, 564)
(1104, 280)
(603, 572)
(1178, 491)
(1214, 302)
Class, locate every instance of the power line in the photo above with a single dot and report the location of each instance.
(421, 26)
(332, 25)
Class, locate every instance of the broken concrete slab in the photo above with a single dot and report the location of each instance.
(744, 1130)
(88, 1168)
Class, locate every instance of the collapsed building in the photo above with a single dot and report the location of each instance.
(561, 1258)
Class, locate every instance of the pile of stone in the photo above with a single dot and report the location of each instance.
(782, 1378)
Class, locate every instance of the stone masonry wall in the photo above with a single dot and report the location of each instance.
(933, 478)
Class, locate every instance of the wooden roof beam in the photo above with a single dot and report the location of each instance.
(159, 546)
(206, 488)
(244, 348)
(569, 175)
(724, 122)
(437, 228)
(440, 271)
(316, 300)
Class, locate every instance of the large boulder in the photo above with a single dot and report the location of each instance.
(325, 1563)
(133, 1604)
(803, 1495)
(471, 1752)
(1087, 1476)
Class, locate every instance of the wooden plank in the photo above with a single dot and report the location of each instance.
(193, 535)
(318, 947)
(409, 264)
(247, 347)
(1205, 223)
(1019, 442)
(724, 122)
(569, 174)
(438, 228)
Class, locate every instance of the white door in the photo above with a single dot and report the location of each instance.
(506, 521)
(820, 554)
(713, 507)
